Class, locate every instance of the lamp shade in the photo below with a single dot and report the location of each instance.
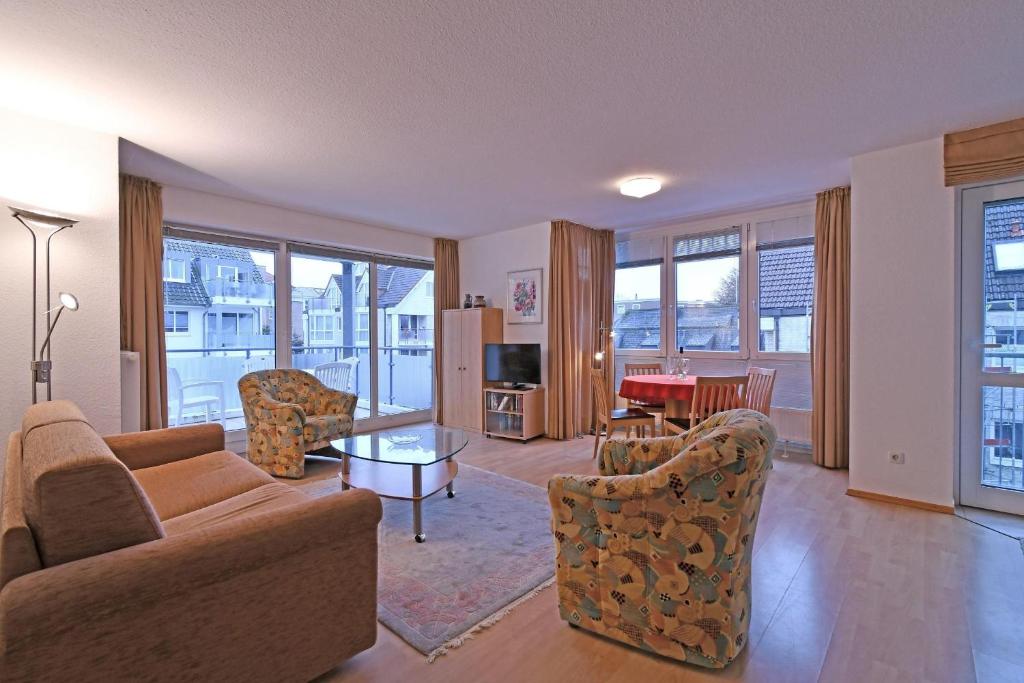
(40, 222)
(69, 301)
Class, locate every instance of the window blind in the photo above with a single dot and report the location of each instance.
(707, 245)
(643, 251)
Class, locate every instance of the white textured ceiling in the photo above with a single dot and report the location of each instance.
(462, 117)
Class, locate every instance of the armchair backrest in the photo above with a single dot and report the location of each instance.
(284, 385)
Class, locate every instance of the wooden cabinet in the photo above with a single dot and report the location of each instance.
(466, 330)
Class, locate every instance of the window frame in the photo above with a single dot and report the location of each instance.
(177, 332)
(741, 288)
(661, 350)
(753, 323)
(168, 275)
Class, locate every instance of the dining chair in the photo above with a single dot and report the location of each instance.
(760, 383)
(654, 407)
(710, 395)
(620, 418)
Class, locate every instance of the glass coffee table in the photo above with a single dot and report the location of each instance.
(410, 463)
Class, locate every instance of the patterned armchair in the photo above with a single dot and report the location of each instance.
(656, 552)
(289, 413)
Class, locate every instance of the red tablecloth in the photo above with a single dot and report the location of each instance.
(657, 388)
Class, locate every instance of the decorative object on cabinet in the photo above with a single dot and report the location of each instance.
(466, 331)
(479, 301)
(468, 301)
(514, 413)
(526, 297)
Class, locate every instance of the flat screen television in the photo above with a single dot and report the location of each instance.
(513, 363)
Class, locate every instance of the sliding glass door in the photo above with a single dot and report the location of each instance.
(219, 322)
(405, 338)
(365, 324)
(330, 336)
(992, 348)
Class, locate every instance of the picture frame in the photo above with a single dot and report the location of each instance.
(525, 297)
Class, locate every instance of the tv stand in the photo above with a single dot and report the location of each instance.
(512, 413)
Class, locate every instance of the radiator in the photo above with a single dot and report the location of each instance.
(793, 425)
(131, 391)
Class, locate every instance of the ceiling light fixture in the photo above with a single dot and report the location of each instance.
(639, 187)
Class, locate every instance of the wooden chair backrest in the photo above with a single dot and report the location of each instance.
(644, 369)
(716, 394)
(760, 383)
(600, 389)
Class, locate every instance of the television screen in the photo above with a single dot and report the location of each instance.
(515, 363)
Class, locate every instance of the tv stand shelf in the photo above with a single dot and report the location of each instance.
(514, 413)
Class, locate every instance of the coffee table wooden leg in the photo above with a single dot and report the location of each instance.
(344, 470)
(417, 493)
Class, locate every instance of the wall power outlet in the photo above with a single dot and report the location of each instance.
(897, 457)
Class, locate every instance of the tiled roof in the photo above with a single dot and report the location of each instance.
(191, 293)
(710, 328)
(787, 277)
(395, 282)
(1003, 221)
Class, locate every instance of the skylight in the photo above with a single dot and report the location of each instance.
(1008, 255)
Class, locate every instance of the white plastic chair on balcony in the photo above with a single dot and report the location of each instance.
(178, 402)
(338, 375)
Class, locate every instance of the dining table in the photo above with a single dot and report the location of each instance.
(674, 391)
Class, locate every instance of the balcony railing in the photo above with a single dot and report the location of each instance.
(405, 382)
(422, 336)
(216, 340)
(227, 288)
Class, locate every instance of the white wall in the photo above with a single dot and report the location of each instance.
(484, 264)
(189, 207)
(72, 172)
(903, 336)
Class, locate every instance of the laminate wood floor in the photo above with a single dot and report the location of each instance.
(845, 589)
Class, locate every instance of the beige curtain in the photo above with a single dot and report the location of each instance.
(985, 153)
(830, 343)
(582, 278)
(446, 296)
(142, 298)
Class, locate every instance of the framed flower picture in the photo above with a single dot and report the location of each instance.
(525, 297)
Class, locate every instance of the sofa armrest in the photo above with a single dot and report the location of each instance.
(160, 446)
(286, 594)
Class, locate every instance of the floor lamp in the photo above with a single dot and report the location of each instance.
(40, 225)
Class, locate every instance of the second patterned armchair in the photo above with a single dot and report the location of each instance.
(657, 552)
(289, 413)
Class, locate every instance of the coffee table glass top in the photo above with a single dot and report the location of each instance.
(422, 445)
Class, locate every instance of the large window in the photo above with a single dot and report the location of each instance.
(637, 296)
(232, 330)
(708, 291)
(405, 337)
(785, 284)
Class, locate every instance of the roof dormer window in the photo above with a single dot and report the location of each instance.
(1008, 255)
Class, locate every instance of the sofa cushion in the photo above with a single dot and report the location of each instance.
(261, 499)
(326, 427)
(185, 485)
(79, 499)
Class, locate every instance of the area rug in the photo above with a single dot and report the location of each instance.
(487, 550)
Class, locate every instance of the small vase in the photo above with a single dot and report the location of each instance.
(468, 301)
(479, 301)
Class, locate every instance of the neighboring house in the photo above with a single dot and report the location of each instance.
(1004, 276)
(786, 299)
(699, 326)
(215, 297)
(405, 307)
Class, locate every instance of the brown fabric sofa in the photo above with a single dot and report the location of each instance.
(161, 556)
